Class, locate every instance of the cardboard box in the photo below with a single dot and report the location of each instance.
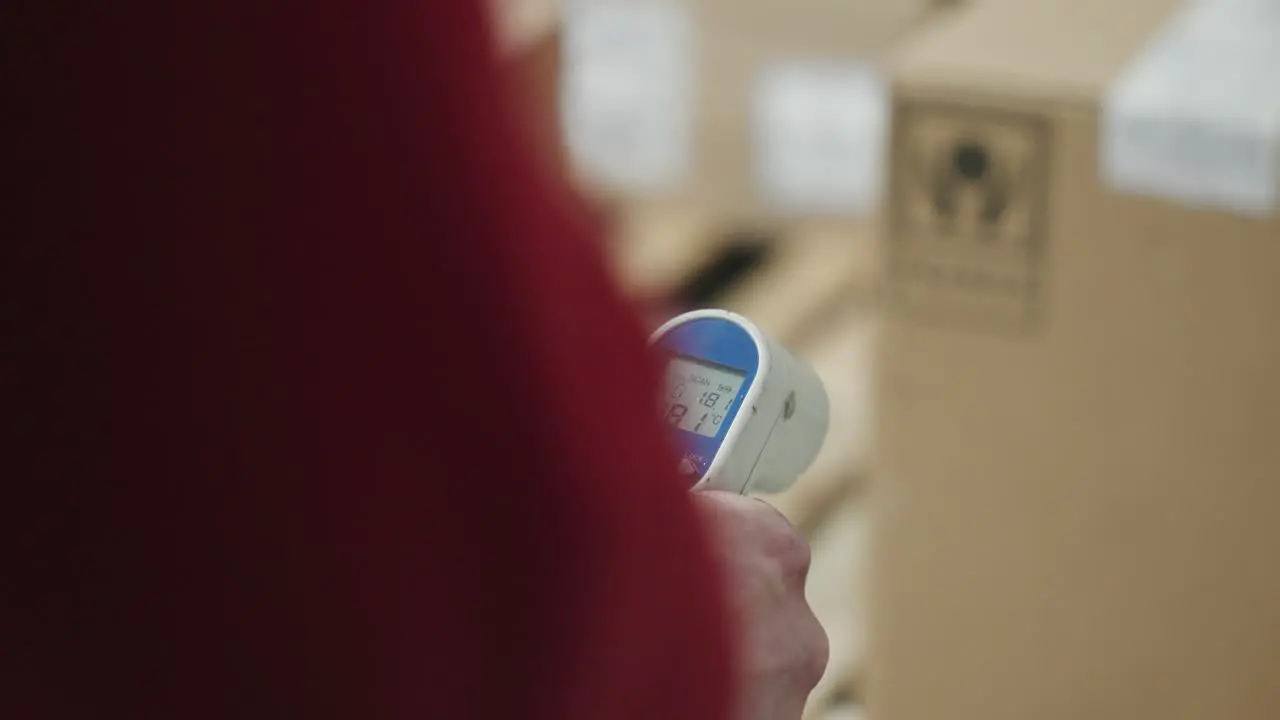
(748, 108)
(1078, 465)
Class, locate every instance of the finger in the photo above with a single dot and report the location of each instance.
(785, 706)
(818, 645)
(747, 504)
(791, 554)
(772, 508)
(764, 526)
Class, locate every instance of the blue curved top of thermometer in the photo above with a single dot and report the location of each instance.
(719, 342)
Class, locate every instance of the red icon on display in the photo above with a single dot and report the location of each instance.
(692, 465)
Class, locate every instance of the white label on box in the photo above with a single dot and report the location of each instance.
(627, 91)
(1196, 117)
(820, 132)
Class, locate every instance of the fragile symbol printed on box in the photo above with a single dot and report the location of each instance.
(968, 206)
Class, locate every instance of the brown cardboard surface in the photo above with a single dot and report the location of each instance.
(1038, 50)
(1078, 489)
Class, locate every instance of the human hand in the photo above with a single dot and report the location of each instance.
(783, 648)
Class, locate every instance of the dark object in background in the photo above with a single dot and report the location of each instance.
(743, 254)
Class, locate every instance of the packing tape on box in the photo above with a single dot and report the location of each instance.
(1196, 117)
(817, 127)
(820, 129)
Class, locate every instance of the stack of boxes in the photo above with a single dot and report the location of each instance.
(743, 109)
(1078, 479)
(1076, 500)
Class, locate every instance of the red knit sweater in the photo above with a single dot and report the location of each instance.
(327, 407)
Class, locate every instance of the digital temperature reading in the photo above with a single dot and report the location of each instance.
(743, 413)
(698, 395)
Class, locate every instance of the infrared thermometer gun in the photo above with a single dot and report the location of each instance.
(746, 414)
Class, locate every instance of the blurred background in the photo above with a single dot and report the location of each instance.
(1032, 248)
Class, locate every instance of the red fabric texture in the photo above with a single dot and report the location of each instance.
(327, 407)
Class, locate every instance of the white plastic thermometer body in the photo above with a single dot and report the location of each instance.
(746, 414)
